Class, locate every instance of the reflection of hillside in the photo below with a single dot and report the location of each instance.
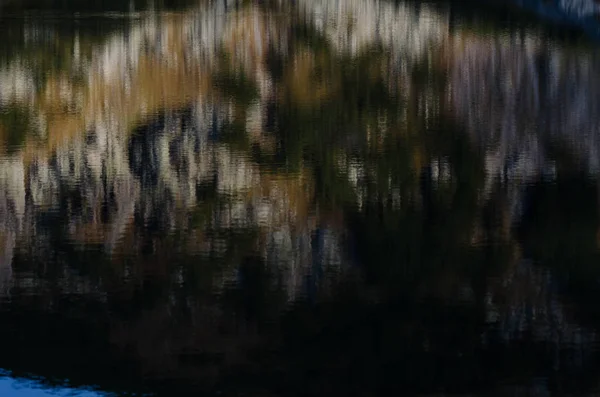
(210, 166)
(520, 99)
(354, 26)
(124, 68)
(84, 164)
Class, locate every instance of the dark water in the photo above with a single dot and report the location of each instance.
(299, 198)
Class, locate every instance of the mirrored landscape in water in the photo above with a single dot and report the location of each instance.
(299, 198)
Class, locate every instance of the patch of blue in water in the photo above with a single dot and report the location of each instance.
(10, 387)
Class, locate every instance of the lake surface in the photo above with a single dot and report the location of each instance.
(299, 198)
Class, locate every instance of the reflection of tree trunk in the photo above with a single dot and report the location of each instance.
(598, 199)
(7, 246)
(426, 182)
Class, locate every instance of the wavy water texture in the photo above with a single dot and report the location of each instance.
(195, 176)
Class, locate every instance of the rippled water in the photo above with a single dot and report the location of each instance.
(309, 197)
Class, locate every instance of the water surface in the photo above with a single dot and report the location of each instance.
(314, 197)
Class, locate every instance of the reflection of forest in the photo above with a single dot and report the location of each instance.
(186, 177)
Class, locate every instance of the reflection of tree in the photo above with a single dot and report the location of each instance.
(14, 124)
